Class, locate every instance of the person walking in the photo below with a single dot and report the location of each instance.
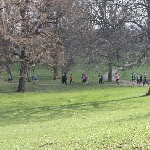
(145, 79)
(35, 78)
(9, 78)
(83, 78)
(64, 79)
(141, 78)
(133, 78)
(86, 79)
(71, 79)
(138, 79)
(117, 78)
(101, 78)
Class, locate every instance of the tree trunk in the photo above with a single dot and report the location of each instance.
(23, 72)
(148, 20)
(64, 70)
(109, 72)
(148, 31)
(55, 69)
(8, 69)
(28, 69)
(28, 77)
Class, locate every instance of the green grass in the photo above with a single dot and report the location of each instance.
(127, 73)
(52, 116)
(75, 118)
(45, 74)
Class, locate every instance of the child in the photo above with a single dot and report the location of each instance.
(71, 79)
(9, 78)
(117, 78)
(64, 79)
(145, 79)
(101, 79)
(133, 78)
(86, 77)
(141, 78)
(83, 78)
(138, 79)
(35, 78)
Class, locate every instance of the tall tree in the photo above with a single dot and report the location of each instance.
(111, 18)
(25, 25)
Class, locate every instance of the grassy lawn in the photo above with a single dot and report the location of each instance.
(75, 118)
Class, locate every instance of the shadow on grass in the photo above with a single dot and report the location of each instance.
(39, 87)
(26, 114)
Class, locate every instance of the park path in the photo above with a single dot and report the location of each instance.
(122, 81)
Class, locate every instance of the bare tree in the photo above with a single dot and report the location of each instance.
(57, 30)
(111, 20)
(25, 25)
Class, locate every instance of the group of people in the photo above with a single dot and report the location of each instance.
(101, 78)
(84, 79)
(139, 78)
(35, 78)
(64, 79)
(136, 78)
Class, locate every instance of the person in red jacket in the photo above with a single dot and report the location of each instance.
(71, 79)
(86, 79)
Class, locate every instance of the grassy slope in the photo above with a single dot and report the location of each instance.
(74, 117)
(71, 117)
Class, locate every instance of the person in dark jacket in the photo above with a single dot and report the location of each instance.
(141, 78)
(101, 78)
(64, 79)
(9, 78)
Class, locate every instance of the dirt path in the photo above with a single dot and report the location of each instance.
(122, 82)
